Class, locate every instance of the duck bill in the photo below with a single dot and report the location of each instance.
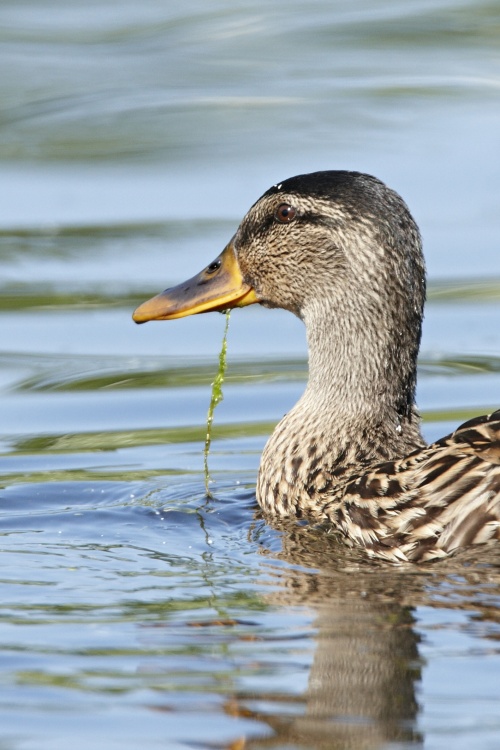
(219, 286)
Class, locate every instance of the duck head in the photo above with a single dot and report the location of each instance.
(315, 240)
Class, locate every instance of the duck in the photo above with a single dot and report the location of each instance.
(342, 252)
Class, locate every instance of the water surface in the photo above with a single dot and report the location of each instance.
(135, 612)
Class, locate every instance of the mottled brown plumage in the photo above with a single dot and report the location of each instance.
(350, 265)
(342, 252)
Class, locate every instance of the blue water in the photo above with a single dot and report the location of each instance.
(134, 612)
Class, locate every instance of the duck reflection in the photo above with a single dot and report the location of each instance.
(364, 678)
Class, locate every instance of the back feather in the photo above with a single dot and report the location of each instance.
(432, 502)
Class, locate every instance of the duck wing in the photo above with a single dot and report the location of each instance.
(434, 501)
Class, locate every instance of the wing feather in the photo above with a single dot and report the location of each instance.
(431, 503)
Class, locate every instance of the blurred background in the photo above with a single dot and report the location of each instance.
(133, 138)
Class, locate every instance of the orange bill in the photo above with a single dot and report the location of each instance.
(219, 286)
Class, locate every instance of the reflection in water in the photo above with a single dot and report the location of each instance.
(363, 683)
(361, 691)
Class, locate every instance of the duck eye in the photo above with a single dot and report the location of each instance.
(213, 267)
(285, 213)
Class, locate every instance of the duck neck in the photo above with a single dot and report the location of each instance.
(356, 411)
(361, 382)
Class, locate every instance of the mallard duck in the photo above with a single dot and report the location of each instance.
(342, 252)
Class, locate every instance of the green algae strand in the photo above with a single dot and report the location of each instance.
(215, 399)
